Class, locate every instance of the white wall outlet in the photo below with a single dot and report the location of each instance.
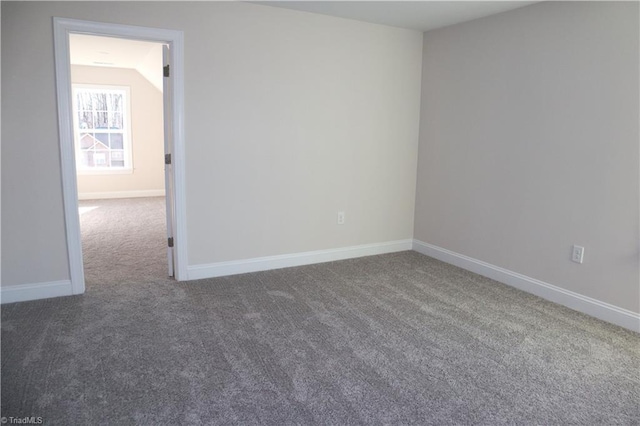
(340, 218)
(577, 254)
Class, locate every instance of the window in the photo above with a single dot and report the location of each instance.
(102, 123)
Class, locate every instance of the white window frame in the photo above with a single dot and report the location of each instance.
(127, 139)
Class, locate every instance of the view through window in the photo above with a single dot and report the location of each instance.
(101, 117)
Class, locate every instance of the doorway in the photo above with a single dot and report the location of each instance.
(115, 154)
(118, 123)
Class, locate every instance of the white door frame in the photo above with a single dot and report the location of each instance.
(62, 27)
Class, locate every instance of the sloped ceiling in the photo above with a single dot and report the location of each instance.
(144, 57)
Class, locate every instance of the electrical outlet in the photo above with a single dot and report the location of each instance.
(577, 254)
(340, 218)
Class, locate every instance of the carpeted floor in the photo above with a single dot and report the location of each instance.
(390, 339)
(123, 240)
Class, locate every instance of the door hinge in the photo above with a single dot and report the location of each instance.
(165, 70)
(170, 241)
(167, 159)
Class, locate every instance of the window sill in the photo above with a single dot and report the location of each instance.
(104, 171)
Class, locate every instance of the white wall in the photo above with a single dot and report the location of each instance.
(290, 117)
(146, 135)
(529, 144)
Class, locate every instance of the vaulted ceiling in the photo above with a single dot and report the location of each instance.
(144, 57)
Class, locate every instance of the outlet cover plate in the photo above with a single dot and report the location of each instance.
(577, 255)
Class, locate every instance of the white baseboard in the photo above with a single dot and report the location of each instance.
(121, 194)
(570, 299)
(295, 259)
(24, 292)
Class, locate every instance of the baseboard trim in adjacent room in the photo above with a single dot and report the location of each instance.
(570, 299)
(24, 292)
(233, 267)
(120, 194)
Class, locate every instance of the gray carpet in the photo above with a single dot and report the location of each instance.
(390, 339)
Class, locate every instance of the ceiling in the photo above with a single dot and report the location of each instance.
(142, 56)
(415, 15)
(107, 51)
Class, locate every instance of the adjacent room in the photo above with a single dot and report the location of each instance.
(380, 213)
(117, 99)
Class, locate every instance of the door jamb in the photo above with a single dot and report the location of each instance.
(62, 27)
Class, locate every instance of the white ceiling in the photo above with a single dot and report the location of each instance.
(415, 15)
(107, 51)
(142, 56)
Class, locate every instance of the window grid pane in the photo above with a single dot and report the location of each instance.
(101, 111)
